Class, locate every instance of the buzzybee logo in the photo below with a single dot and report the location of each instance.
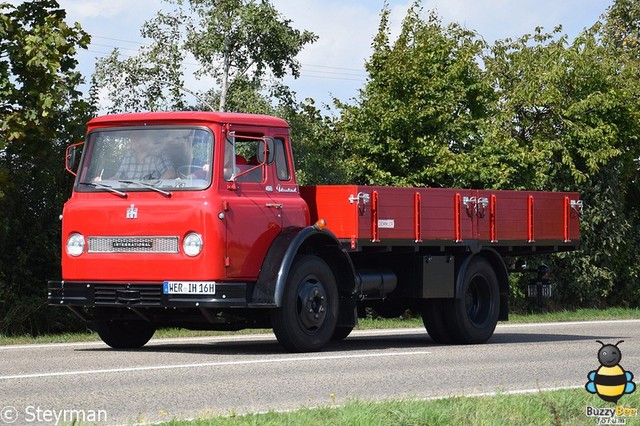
(610, 382)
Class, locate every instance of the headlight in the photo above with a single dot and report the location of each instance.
(75, 244)
(192, 244)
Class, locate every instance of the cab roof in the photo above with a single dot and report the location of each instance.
(186, 117)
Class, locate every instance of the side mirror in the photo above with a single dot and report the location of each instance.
(266, 151)
(72, 157)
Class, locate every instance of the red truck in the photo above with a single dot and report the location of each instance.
(196, 220)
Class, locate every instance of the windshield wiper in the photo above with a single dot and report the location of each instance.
(107, 187)
(147, 185)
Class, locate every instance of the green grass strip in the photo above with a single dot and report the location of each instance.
(562, 407)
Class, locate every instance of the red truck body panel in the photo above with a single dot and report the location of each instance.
(425, 215)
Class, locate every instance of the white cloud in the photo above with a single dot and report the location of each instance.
(81, 10)
(498, 19)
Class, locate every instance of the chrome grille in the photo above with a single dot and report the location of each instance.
(132, 244)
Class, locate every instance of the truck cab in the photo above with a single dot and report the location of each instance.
(174, 210)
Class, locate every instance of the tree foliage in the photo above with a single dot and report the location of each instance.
(622, 27)
(150, 81)
(42, 111)
(421, 106)
(247, 39)
(234, 42)
(37, 73)
(566, 119)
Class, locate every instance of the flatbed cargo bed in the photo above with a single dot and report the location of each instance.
(378, 215)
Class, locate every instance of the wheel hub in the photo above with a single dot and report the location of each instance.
(475, 301)
(312, 305)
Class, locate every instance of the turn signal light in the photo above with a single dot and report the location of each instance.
(320, 224)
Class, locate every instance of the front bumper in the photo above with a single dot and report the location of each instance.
(143, 295)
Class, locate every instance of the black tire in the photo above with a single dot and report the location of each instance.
(474, 315)
(341, 333)
(307, 319)
(434, 313)
(124, 334)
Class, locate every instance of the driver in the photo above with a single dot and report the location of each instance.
(140, 163)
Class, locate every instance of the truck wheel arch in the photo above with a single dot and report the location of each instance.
(269, 287)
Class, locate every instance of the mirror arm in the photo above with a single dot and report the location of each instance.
(71, 156)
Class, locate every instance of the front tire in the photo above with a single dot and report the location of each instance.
(341, 333)
(307, 319)
(474, 314)
(124, 334)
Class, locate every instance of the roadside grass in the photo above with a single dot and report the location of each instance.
(561, 407)
(364, 324)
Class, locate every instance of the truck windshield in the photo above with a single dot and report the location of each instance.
(147, 159)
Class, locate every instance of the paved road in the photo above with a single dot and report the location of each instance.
(186, 378)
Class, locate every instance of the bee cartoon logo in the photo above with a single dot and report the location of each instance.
(610, 381)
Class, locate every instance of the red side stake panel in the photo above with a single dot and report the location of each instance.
(428, 216)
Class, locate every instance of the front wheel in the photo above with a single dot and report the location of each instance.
(341, 333)
(474, 313)
(124, 334)
(307, 319)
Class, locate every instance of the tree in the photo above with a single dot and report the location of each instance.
(151, 80)
(566, 118)
(41, 110)
(418, 115)
(622, 26)
(318, 145)
(247, 38)
(233, 41)
(37, 74)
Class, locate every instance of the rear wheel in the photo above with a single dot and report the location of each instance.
(307, 319)
(474, 314)
(124, 334)
(434, 314)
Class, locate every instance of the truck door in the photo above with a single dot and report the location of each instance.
(253, 213)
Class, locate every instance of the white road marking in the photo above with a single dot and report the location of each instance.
(212, 364)
(565, 323)
(504, 392)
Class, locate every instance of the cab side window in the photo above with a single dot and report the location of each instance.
(282, 166)
(242, 160)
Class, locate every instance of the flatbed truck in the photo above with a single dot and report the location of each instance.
(214, 233)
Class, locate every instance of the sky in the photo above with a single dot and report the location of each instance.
(334, 65)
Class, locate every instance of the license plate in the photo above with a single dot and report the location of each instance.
(189, 287)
